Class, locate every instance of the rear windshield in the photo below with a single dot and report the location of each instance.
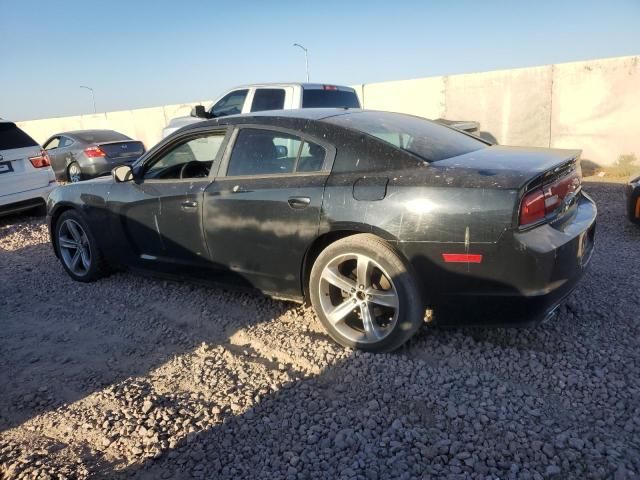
(316, 98)
(100, 136)
(12, 137)
(424, 138)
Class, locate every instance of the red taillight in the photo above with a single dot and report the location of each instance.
(532, 209)
(94, 152)
(41, 160)
(543, 201)
(555, 193)
(329, 87)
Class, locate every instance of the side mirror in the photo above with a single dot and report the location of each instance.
(122, 173)
(199, 112)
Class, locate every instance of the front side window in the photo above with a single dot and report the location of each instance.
(268, 99)
(52, 144)
(190, 159)
(230, 104)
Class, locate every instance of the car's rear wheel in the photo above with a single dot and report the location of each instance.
(365, 295)
(74, 174)
(77, 248)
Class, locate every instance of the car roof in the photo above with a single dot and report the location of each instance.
(317, 114)
(318, 86)
(91, 131)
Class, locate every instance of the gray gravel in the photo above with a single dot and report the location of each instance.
(143, 378)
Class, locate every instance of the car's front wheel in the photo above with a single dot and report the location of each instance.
(365, 295)
(77, 248)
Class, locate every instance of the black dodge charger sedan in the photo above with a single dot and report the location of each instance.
(373, 217)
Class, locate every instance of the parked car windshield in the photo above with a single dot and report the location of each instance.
(12, 137)
(424, 138)
(316, 98)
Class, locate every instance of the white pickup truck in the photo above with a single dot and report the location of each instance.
(270, 96)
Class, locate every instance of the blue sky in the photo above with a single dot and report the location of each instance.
(141, 53)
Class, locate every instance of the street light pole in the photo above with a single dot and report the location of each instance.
(306, 58)
(93, 96)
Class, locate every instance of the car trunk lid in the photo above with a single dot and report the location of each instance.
(122, 151)
(547, 180)
(512, 168)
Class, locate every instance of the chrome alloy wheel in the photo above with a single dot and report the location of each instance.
(75, 175)
(74, 247)
(359, 298)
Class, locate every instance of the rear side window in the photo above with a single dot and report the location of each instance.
(428, 140)
(268, 99)
(264, 152)
(321, 98)
(65, 142)
(311, 158)
(12, 137)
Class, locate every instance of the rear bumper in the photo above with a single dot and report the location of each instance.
(633, 200)
(523, 277)
(17, 202)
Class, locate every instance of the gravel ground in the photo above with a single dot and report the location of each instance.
(143, 378)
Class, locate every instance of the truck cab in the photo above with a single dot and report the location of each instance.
(269, 96)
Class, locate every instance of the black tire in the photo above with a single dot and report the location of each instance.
(97, 265)
(73, 166)
(410, 312)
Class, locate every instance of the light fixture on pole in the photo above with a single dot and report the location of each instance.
(306, 58)
(93, 96)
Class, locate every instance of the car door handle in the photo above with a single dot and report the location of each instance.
(239, 189)
(299, 202)
(188, 205)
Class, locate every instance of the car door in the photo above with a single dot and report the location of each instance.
(160, 213)
(261, 215)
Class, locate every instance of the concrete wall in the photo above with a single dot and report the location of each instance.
(596, 107)
(592, 105)
(143, 124)
(424, 97)
(513, 106)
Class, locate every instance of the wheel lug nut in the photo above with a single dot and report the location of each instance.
(361, 287)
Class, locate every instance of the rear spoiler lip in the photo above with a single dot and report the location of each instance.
(544, 177)
(113, 142)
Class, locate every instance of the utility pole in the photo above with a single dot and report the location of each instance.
(306, 58)
(93, 96)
